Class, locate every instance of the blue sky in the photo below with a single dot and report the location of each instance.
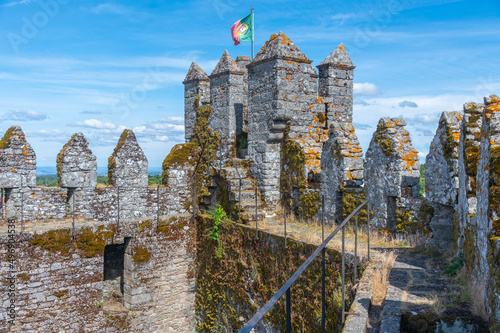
(98, 67)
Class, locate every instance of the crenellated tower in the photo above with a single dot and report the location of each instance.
(226, 98)
(195, 83)
(336, 75)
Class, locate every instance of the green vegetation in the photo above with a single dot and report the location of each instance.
(421, 183)
(218, 214)
(103, 180)
(154, 179)
(49, 180)
(455, 266)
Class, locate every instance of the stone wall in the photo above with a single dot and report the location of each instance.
(59, 280)
(342, 165)
(392, 171)
(239, 272)
(79, 194)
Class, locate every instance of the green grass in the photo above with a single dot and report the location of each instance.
(421, 183)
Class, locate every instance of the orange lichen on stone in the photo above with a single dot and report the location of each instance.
(13, 170)
(25, 152)
(495, 99)
(335, 107)
(493, 107)
(410, 159)
(311, 107)
(456, 136)
(319, 99)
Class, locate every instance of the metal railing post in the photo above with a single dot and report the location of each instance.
(118, 209)
(158, 206)
(284, 209)
(288, 312)
(208, 157)
(343, 276)
(355, 249)
(73, 197)
(368, 229)
(2, 203)
(256, 216)
(22, 210)
(323, 268)
(194, 197)
(220, 156)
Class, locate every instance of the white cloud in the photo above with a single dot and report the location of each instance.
(93, 123)
(15, 3)
(367, 89)
(425, 118)
(23, 115)
(409, 104)
(162, 138)
(109, 8)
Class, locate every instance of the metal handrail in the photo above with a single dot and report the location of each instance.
(239, 188)
(194, 177)
(286, 287)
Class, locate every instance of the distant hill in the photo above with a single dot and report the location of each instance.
(49, 170)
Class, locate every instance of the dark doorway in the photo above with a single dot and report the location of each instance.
(114, 256)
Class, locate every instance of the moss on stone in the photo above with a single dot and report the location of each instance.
(449, 143)
(251, 266)
(203, 134)
(86, 242)
(494, 186)
(408, 223)
(383, 140)
(141, 254)
(469, 249)
(309, 204)
(5, 142)
(112, 158)
(180, 154)
(292, 167)
(351, 199)
(321, 117)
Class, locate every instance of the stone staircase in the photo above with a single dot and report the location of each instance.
(247, 202)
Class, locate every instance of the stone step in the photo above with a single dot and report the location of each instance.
(251, 215)
(246, 184)
(232, 174)
(249, 206)
(245, 196)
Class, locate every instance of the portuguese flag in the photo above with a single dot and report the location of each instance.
(242, 30)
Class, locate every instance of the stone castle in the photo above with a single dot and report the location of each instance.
(301, 142)
(286, 129)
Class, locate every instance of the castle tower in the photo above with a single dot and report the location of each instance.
(195, 83)
(226, 85)
(281, 82)
(336, 81)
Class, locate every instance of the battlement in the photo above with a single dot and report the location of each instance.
(127, 197)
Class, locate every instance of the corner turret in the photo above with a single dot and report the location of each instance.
(195, 83)
(336, 81)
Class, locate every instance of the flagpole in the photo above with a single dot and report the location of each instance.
(253, 26)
